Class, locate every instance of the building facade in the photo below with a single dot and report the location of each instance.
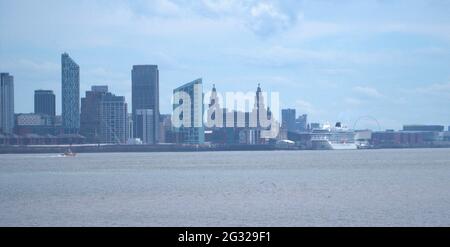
(70, 85)
(239, 127)
(301, 123)
(44, 102)
(113, 119)
(145, 97)
(423, 128)
(104, 116)
(6, 103)
(194, 133)
(90, 114)
(288, 119)
(144, 122)
(32, 123)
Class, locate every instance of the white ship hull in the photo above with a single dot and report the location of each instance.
(343, 146)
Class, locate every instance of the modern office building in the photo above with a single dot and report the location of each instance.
(70, 85)
(288, 119)
(194, 133)
(104, 117)
(301, 123)
(44, 102)
(6, 103)
(145, 100)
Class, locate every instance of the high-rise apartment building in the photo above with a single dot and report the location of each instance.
(104, 117)
(70, 86)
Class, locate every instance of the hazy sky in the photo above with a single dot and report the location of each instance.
(334, 60)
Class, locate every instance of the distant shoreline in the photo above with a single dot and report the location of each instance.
(130, 148)
(110, 148)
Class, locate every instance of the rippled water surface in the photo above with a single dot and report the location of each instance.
(409, 187)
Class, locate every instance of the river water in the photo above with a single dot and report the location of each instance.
(401, 187)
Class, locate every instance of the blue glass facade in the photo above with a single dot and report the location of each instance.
(192, 134)
(70, 85)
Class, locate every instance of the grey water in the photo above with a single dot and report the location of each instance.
(396, 187)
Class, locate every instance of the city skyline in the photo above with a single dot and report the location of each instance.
(391, 65)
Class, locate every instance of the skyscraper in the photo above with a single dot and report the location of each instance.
(194, 133)
(104, 116)
(44, 102)
(301, 123)
(6, 103)
(70, 85)
(113, 119)
(145, 96)
(288, 119)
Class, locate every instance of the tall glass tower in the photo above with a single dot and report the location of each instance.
(145, 100)
(6, 103)
(195, 132)
(70, 85)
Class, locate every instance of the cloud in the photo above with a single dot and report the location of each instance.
(263, 18)
(437, 89)
(267, 19)
(39, 66)
(353, 101)
(304, 107)
(367, 91)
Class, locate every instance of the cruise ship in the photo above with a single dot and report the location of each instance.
(334, 138)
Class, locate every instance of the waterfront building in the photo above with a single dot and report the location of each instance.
(194, 133)
(113, 119)
(90, 114)
(166, 134)
(437, 128)
(44, 102)
(145, 100)
(239, 127)
(6, 103)
(301, 123)
(104, 117)
(32, 123)
(70, 87)
(288, 121)
(144, 121)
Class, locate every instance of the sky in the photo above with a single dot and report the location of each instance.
(351, 61)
